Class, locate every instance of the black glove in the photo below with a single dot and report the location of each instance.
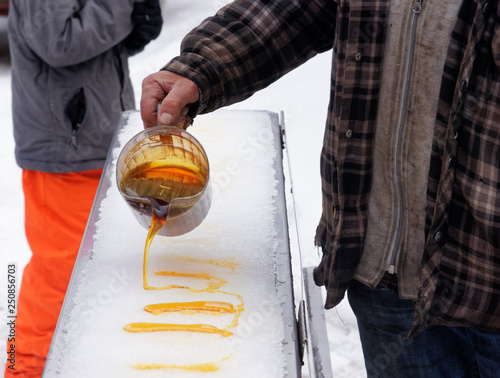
(148, 21)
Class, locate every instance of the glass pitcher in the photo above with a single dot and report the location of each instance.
(165, 167)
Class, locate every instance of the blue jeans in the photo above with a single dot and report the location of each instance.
(384, 321)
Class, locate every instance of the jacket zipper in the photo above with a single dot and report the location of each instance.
(396, 241)
(77, 110)
(76, 127)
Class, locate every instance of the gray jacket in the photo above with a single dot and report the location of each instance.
(70, 80)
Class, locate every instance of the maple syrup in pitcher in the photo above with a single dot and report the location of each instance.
(160, 183)
(163, 174)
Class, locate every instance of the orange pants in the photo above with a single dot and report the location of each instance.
(57, 207)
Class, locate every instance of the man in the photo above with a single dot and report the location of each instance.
(70, 81)
(410, 163)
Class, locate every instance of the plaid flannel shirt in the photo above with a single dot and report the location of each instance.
(250, 44)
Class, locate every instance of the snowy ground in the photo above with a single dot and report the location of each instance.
(303, 97)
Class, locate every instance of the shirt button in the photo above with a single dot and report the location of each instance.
(439, 237)
(358, 56)
(348, 133)
(450, 163)
(463, 86)
(446, 292)
(486, 8)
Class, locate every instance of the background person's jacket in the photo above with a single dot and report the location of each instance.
(70, 80)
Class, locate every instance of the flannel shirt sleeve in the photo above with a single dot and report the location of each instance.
(249, 44)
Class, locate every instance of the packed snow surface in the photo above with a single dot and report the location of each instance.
(235, 246)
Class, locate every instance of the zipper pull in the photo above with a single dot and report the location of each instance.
(417, 7)
(73, 138)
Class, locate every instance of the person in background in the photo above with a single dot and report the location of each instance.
(70, 81)
(410, 164)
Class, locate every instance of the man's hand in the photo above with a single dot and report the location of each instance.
(175, 93)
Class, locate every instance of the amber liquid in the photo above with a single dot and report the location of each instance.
(158, 327)
(153, 185)
(202, 367)
(191, 307)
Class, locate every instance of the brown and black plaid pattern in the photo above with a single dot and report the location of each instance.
(461, 274)
(250, 44)
(346, 159)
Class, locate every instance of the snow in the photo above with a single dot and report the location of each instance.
(303, 97)
(244, 240)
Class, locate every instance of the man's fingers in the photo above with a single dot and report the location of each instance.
(153, 92)
(174, 92)
(175, 105)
